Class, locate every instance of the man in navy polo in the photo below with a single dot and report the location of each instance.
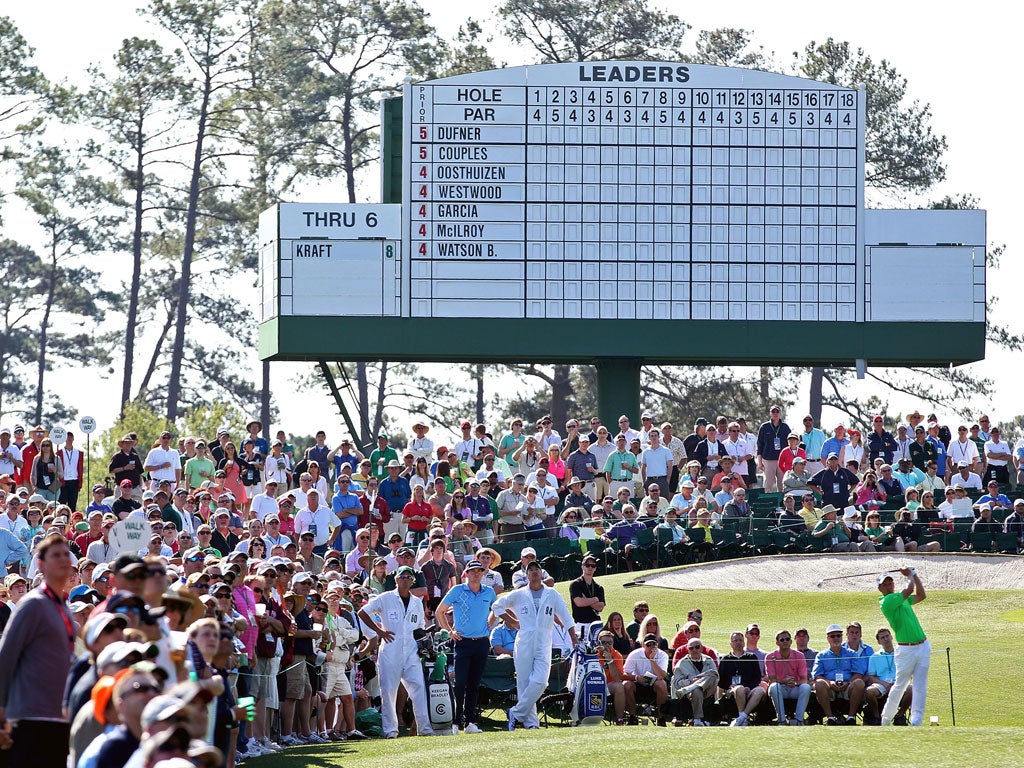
(834, 483)
(471, 605)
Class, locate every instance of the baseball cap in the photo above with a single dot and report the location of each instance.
(650, 637)
(403, 570)
(475, 565)
(95, 626)
(161, 708)
(528, 551)
(833, 628)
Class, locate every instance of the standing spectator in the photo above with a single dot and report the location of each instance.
(47, 471)
(316, 517)
(586, 594)
(381, 458)
(71, 460)
(30, 450)
(163, 462)
(771, 438)
(834, 483)
(10, 454)
(35, 659)
(881, 444)
(997, 458)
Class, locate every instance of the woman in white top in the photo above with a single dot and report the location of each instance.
(854, 451)
(421, 475)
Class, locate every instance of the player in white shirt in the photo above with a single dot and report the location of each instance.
(535, 608)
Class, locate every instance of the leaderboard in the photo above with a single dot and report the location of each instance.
(634, 190)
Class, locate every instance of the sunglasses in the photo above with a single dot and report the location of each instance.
(136, 575)
(160, 572)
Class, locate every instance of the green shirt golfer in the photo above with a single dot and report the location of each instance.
(913, 651)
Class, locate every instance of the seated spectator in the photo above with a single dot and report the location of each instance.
(957, 504)
(910, 532)
(789, 520)
(646, 670)
(965, 477)
(695, 679)
(837, 533)
(808, 511)
(689, 630)
(985, 523)
(880, 677)
(739, 678)
(616, 625)
(994, 498)
(794, 482)
(835, 680)
(868, 493)
(1014, 523)
(906, 474)
(786, 677)
(887, 483)
(615, 674)
(738, 507)
(882, 538)
(622, 535)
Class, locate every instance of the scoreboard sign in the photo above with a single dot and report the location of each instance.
(622, 214)
(634, 191)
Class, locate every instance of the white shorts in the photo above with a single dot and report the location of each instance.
(337, 683)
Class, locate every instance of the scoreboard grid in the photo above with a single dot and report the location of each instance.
(635, 202)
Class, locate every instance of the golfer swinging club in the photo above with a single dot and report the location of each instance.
(533, 609)
(913, 651)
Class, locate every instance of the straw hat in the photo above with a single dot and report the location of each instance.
(495, 557)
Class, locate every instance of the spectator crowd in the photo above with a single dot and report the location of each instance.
(224, 601)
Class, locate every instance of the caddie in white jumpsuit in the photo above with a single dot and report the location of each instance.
(535, 607)
(397, 660)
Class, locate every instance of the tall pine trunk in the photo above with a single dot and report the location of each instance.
(184, 285)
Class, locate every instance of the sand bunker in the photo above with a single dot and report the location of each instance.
(803, 572)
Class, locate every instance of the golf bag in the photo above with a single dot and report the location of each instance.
(434, 648)
(587, 680)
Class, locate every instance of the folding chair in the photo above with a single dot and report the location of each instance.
(498, 686)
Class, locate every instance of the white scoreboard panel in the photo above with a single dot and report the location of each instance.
(633, 190)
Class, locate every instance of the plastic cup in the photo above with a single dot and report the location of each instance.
(261, 609)
(318, 627)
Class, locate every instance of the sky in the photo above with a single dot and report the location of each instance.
(961, 63)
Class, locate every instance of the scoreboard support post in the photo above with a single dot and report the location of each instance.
(618, 390)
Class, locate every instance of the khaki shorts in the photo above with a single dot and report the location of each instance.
(337, 680)
(882, 687)
(297, 685)
(264, 681)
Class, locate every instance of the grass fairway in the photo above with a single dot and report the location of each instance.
(941, 747)
(979, 627)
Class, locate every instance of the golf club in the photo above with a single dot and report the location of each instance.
(854, 576)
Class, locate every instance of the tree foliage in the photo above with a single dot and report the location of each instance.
(585, 30)
(902, 152)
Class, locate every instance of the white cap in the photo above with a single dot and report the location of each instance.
(528, 551)
(833, 628)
